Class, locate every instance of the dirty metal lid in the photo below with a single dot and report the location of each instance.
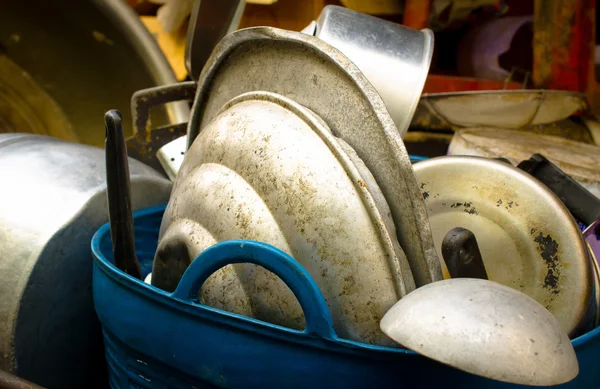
(484, 328)
(319, 77)
(268, 169)
(528, 239)
(579, 160)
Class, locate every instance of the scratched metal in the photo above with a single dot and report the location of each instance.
(528, 239)
(486, 329)
(53, 199)
(319, 77)
(267, 169)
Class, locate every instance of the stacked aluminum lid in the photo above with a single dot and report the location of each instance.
(291, 145)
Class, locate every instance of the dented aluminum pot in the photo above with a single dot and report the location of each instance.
(268, 169)
(528, 239)
(321, 78)
(53, 199)
(394, 58)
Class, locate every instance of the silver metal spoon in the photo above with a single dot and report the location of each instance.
(484, 328)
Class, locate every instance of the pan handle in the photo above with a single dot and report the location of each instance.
(580, 202)
(143, 100)
(145, 141)
(318, 319)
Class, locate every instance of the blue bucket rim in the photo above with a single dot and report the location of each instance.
(149, 291)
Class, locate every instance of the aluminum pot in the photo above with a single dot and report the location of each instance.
(86, 57)
(270, 170)
(394, 58)
(52, 201)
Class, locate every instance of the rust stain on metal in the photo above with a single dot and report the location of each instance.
(508, 204)
(468, 207)
(548, 249)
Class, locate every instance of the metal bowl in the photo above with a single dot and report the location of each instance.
(528, 239)
(86, 57)
(268, 169)
(53, 200)
(496, 108)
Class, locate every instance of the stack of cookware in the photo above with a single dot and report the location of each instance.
(300, 247)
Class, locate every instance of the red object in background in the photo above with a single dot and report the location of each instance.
(416, 13)
(439, 84)
(563, 46)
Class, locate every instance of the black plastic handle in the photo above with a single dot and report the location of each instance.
(119, 196)
(462, 256)
(580, 202)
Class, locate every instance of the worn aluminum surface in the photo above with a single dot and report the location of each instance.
(10, 381)
(528, 239)
(579, 160)
(320, 78)
(53, 200)
(394, 58)
(496, 108)
(26, 107)
(270, 170)
(486, 329)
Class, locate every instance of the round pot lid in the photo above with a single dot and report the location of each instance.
(527, 237)
(268, 169)
(312, 73)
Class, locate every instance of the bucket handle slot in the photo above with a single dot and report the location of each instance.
(316, 312)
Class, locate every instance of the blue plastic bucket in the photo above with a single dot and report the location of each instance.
(155, 339)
